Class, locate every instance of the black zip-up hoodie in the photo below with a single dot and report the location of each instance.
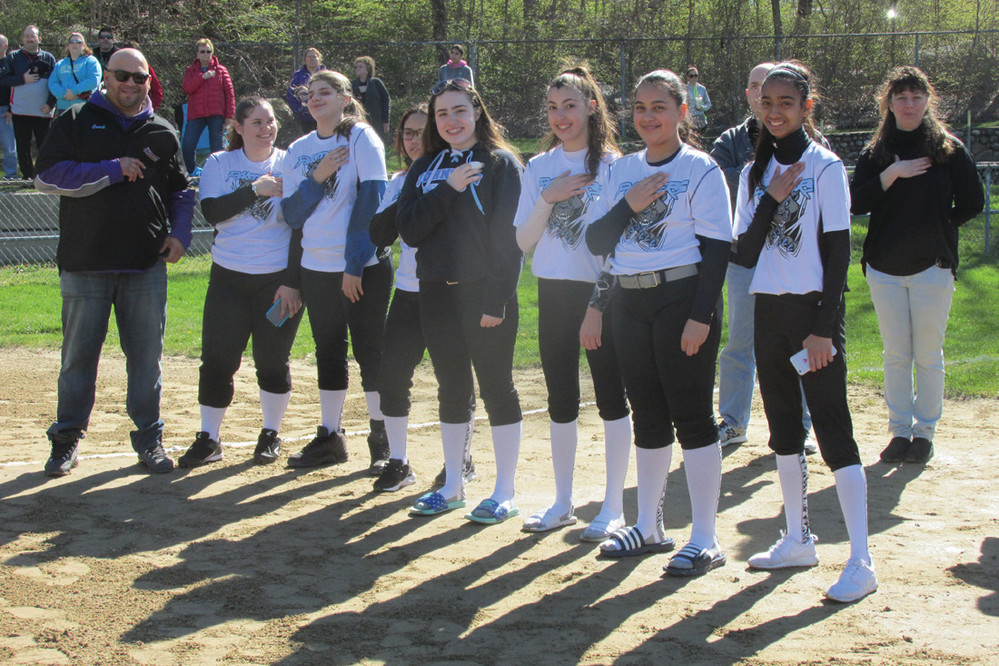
(465, 236)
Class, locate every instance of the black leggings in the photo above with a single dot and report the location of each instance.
(666, 387)
(331, 315)
(235, 308)
(782, 324)
(451, 316)
(402, 351)
(561, 307)
(26, 127)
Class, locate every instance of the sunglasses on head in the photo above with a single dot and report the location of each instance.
(120, 75)
(451, 84)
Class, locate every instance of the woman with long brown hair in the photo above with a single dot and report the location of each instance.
(919, 183)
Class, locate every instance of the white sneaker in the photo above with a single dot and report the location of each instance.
(729, 434)
(811, 446)
(787, 553)
(856, 582)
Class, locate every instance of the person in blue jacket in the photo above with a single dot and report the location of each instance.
(76, 76)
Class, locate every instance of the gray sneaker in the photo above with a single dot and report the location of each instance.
(63, 458)
(156, 460)
(729, 434)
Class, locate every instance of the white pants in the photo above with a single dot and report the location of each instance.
(912, 315)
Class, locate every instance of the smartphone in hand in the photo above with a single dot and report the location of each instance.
(274, 315)
(800, 361)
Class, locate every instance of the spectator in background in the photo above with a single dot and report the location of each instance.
(26, 72)
(456, 67)
(211, 102)
(6, 126)
(155, 89)
(76, 76)
(699, 100)
(105, 46)
(373, 95)
(298, 90)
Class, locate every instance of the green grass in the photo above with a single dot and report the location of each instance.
(29, 298)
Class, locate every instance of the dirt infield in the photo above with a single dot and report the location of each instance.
(235, 563)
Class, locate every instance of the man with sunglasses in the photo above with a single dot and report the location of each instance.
(105, 47)
(26, 72)
(126, 209)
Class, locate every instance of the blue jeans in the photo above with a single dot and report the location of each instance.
(192, 134)
(912, 315)
(737, 361)
(139, 301)
(8, 145)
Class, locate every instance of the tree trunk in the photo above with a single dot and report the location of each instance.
(778, 28)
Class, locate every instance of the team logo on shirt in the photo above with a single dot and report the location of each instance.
(310, 162)
(565, 222)
(785, 230)
(429, 180)
(648, 227)
(261, 209)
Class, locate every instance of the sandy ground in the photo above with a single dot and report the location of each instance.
(234, 563)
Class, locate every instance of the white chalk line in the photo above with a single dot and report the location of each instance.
(240, 445)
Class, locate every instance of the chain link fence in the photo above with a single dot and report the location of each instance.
(512, 75)
(29, 224)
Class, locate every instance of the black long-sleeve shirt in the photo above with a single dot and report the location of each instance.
(914, 223)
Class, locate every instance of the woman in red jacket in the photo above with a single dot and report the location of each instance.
(210, 102)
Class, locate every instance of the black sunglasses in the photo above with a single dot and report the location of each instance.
(451, 84)
(120, 75)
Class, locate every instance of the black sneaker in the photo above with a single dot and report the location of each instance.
(204, 450)
(63, 458)
(326, 449)
(920, 451)
(467, 471)
(156, 460)
(268, 447)
(896, 450)
(395, 475)
(378, 446)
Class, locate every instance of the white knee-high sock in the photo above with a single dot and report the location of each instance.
(211, 420)
(273, 406)
(653, 470)
(792, 471)
(564, 437)
(468, 438)
(374, 401)
(851, 488)
(453, 438)
(396, 427)
(703, 468)
(331, 407)
(617, 453)
(506, 448)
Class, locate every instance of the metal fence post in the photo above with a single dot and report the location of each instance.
(917, 49)
(988, 209)
(624, 86)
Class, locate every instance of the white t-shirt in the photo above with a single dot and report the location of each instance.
(561, 253)
(253, 241)
(790, 262)
(324, 235)
(695, 202)
(405, 275)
